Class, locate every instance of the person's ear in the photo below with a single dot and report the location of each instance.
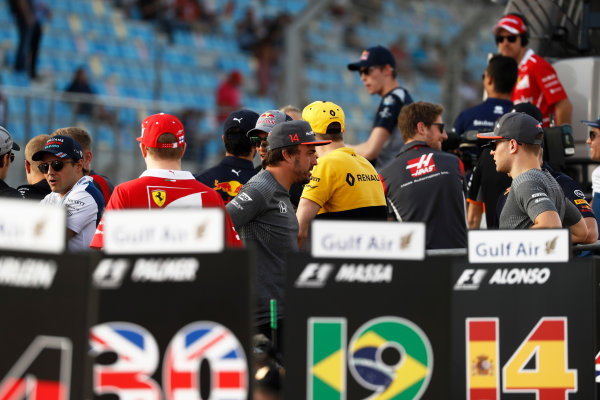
(27, 167)
(144, 150)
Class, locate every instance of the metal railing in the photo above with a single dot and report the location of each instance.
(113, 122)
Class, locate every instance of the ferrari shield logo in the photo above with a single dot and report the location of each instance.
(159, 197)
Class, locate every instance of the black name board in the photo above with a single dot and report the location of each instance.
(173, 325)
(46, 308)
(358, 328)
(523, 331)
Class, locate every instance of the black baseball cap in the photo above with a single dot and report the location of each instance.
(516, 125)
(377, 55)
(62, 147)
(291, 133)
(243, 119)
(529, 109)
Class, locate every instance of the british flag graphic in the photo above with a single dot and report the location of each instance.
(215, 343)
(137, 359)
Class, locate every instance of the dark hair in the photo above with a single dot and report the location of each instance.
(524, 36)
(333, 132)
(533, 148)
(504, 71)
(236, 142)
(412, 114)
(166, 154)
(275, 156)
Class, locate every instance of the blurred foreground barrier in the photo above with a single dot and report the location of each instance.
(170, 323)
(515, 319)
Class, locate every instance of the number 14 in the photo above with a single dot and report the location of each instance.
(539, 365)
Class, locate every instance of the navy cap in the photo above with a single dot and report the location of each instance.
(593, 124)
(291, 133)
(377, 55)
(62, 147)
(243, 119)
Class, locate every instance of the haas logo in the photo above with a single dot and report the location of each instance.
(421, 166)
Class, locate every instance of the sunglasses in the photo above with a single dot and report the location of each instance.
(510, 38)
(441, 126)
(11, 155)
(258, 141)
(592, 136)
(366, 71)
(56, 165)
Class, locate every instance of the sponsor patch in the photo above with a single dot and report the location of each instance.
(421, 166)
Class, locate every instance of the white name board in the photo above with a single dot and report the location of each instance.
(519, 246)
(26, 225)
(368, 239)
(182, 230)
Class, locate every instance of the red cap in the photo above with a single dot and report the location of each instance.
(512, 24)
(157, 124)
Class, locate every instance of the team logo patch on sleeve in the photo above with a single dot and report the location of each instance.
(421, 166)
(159, 197)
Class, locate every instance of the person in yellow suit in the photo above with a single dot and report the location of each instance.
(343, 185)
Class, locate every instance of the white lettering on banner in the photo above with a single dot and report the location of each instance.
(165, 270)
(27, 272)
(110, 272)
(314, 275)
(517, 276)
(470, 279)
(365, 273)
(527, 245)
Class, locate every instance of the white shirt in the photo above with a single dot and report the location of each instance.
(85, 206)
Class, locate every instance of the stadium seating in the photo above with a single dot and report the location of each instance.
(131, 58)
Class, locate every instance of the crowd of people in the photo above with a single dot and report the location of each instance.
(284, 168)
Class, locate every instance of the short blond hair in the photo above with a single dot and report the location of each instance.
(80, 135)
(34, 145)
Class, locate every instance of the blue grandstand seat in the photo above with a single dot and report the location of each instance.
(11, 78)
(17, 131)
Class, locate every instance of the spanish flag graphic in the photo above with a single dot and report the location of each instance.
(482, 359)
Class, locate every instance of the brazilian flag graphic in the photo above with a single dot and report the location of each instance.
(407, 377)
(327, 362)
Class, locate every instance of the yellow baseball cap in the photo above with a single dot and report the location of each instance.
(321, 114)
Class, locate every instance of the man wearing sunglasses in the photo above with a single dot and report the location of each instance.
(37, 186)
(535, 199)
(62, 165)
(265, 123)
(7, 145)
(236, 168)
(537, 82)
(377, 72)
(425, 184)
(594, 142)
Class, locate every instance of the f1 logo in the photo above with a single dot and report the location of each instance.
(110, 272)
(314, 275)
(470, 279)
